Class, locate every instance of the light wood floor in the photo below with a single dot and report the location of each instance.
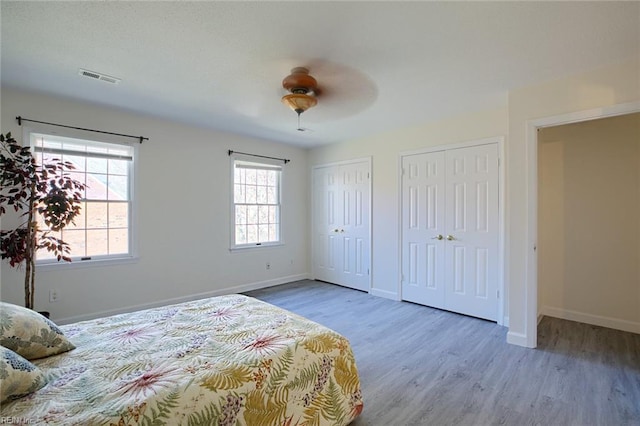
(423, 366)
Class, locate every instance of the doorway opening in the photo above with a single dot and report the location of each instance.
(533, 235)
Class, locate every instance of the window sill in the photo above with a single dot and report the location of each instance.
(255, 247)
(80, 264)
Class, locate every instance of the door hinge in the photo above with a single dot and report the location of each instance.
(367, 272)
(498, 161)
(498, 294)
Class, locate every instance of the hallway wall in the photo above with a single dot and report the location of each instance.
(589, 222)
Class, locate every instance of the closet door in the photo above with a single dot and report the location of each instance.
(423, 213)
(450, 230)
(471, 249)
(325, 188)
(341, 195)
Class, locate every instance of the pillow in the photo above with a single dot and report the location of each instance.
(29, 334)
(18, 377)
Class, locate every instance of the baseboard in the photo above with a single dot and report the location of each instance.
(385, 293)
(505, 321)
(218, 292)
(602, 321)
(519, 339)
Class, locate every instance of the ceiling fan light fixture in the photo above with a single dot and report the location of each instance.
(299, 102)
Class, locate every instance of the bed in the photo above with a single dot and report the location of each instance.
(228, 360)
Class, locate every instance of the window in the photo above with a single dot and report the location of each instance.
(256, 202)
(103, 228)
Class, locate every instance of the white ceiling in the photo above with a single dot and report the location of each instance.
(380, 65)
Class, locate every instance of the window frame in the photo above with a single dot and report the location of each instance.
(101, 260)
(233, 158)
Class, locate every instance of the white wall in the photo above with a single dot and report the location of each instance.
(589, 221)
(385, 151)
(183, 207)
(604, 87)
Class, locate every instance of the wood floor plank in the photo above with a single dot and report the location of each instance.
(423, 366)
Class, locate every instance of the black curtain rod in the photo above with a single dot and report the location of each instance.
(20, 120)
(261, 156)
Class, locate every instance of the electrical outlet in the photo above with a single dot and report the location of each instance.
(268, 265)
(54, 295)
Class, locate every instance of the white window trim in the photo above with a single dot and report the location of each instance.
(233, 247)
(95, 261)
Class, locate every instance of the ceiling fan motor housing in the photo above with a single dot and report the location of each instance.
(300, 82)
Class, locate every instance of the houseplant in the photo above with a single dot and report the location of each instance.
(38, 194)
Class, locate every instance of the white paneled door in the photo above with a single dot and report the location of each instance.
(450, 235)
(423, 211)
(341, 216)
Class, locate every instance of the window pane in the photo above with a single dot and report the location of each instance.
(118, 241)
(118, 215)
(44, 253)
(252, 214)
(273, 214)
(238, 176)
(80, 177)
(97, 149)
(238, 194)
(251, 176)
(97, 242)
(272, 178)
(241, 215)
(77, 161)
(261, 177)
(261, 195)
(251, 194)
(263, 233)
(241, 234)
(48, 158)
(96, 215)
(263, 214)
(79, 220)
(272, 195)
(96, 165)
(48, 143)
(76, 240)
(119, 167)
(273, 233)
(252, 233)
(118, 188)
(96, 187)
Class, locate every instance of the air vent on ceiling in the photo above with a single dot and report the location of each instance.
(98, 76)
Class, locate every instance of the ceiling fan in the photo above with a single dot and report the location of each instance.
(303, 89)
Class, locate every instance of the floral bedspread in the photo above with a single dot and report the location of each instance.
(229, 360)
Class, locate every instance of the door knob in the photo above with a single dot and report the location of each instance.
(437, 237)
(450, 237)
(336, 230)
